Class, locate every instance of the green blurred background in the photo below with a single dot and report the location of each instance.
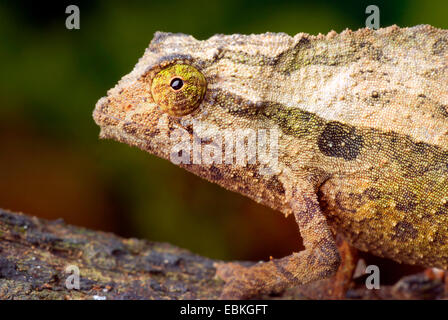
(52, 163)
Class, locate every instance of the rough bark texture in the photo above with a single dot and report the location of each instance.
(34, 255)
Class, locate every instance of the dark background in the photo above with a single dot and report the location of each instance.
(52, 163)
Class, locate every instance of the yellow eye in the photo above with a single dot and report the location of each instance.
(178, 89)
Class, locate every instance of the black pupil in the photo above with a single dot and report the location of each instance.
(176, 83)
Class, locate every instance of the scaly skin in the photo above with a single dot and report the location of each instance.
(363, 144)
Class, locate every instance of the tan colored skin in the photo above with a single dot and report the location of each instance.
(363, 149)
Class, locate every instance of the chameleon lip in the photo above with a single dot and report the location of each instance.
(98, 114)
(138, 140)
(97, 118)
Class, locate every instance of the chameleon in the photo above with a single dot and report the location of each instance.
(361, 144)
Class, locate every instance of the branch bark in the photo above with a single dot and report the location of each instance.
(34, 255)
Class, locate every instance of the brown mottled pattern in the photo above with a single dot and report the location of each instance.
(363, 124)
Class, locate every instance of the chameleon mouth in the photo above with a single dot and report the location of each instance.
(126, 130)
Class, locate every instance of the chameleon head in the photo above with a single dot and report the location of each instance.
(180, 81)
(180, 84)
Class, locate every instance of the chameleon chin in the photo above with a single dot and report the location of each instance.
(363, 143)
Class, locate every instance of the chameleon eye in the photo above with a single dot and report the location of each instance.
(178, 89)
(177, 83)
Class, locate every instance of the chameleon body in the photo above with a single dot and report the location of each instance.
(362, 145)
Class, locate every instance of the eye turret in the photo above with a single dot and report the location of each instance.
(178, 89)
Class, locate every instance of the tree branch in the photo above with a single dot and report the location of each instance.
(34, 255)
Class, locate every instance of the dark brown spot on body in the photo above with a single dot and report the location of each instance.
(404, 231)
(440, 46)
(372, 193)
(439, 238)
(130, 128)
(309, 210)
(444, 109)
(340, 141)
(443, 209)
(421, 148)
(274, 184)
(349, 202)
(407, 202)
